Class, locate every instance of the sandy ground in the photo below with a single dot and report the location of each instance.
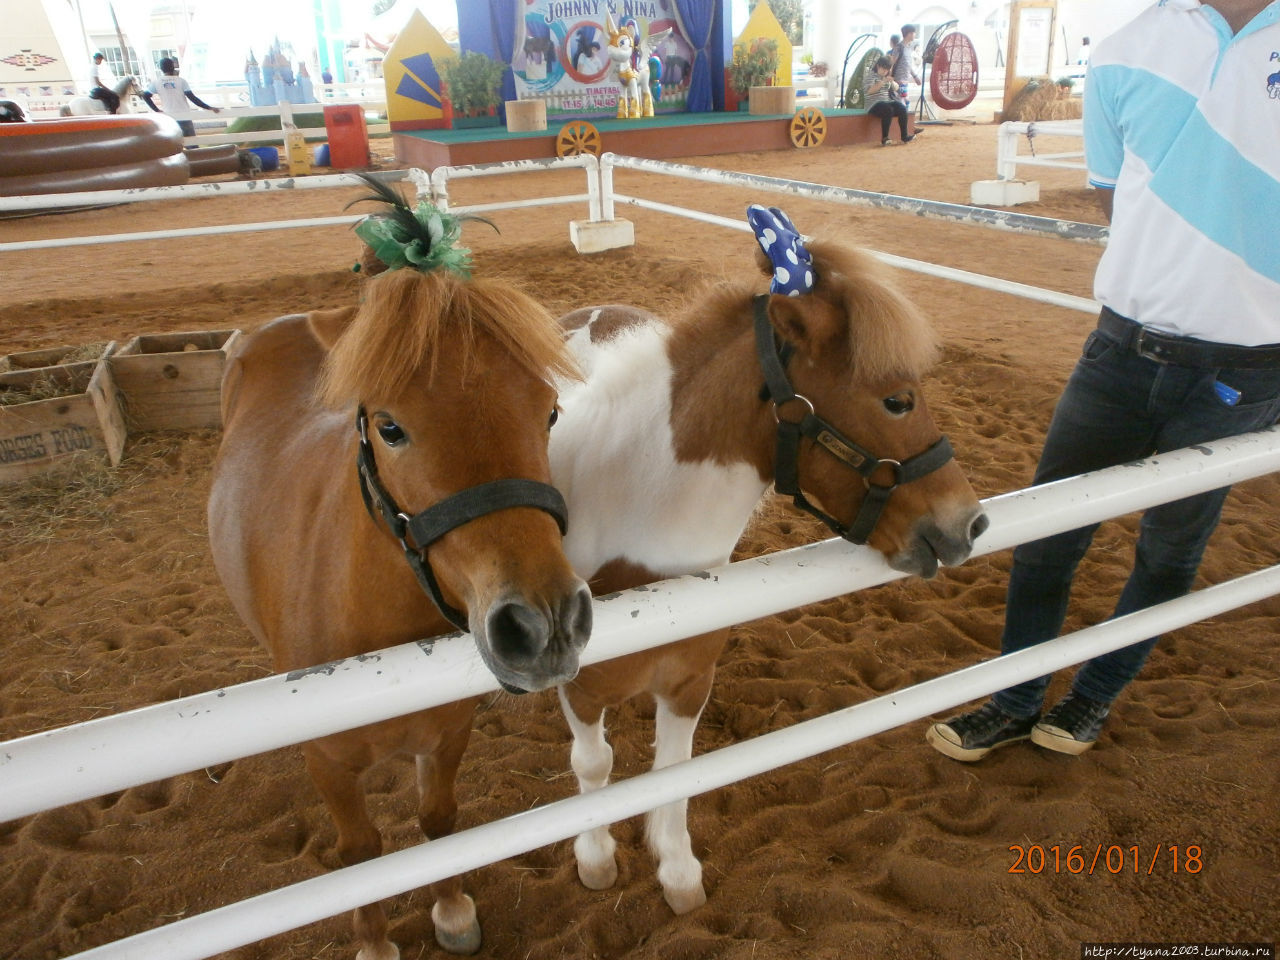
(879, 849)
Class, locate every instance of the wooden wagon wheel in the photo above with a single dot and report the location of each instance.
(808, 127)
(577, 137)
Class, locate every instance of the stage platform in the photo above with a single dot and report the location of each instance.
(659, 138)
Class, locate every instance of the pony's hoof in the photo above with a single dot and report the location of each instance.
(466, 942)
(598, 876)
(384, 951)
(457, 929)
(682, 901)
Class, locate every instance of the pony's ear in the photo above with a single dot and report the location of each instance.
(810, 322)
(329, 325)
(763, 263)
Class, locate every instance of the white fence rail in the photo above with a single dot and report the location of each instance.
(233, 103)
(112, 753)
(231, 721)
(1012, 133)
(75, 763)
(212, 129)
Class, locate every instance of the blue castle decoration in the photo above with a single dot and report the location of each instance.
(275, 82)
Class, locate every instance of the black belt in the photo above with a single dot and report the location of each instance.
(1184, 351)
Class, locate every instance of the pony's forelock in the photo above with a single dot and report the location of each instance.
(888, 334)
(406, 318)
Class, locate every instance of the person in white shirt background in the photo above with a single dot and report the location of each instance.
(174, 92)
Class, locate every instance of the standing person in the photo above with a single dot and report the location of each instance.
(902, 58)
(880, 95)
(1082, 55)
(101, 82)
(174, 92)
(1183, 143)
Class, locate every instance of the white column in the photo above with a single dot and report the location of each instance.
(830, 35)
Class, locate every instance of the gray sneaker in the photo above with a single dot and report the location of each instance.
(1072, 726)
(971, 736)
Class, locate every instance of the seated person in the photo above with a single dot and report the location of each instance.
(880, 94)
(101, 81)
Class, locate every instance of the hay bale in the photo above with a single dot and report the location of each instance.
(1044, 100)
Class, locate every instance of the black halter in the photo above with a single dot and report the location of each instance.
(773, 361)
(416, 533)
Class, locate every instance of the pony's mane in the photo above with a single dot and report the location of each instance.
(407, 318)
(888, 334)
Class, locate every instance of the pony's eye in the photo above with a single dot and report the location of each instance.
(391, 433)
(900, 403)
(555, 415)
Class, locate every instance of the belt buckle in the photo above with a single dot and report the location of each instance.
(1142, 349)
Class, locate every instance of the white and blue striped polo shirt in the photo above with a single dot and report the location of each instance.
(1183, 119)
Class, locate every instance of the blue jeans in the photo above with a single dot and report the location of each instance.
(1118, 407)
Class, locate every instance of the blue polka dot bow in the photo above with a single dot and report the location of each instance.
(780, 240)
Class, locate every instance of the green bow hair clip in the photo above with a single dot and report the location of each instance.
(424, 238)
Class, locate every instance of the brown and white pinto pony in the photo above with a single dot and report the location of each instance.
(665, 449)
(456, 378)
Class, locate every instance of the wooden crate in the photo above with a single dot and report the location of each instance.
(48, 357)
(771, 100)
(173, 381)
(37, 435)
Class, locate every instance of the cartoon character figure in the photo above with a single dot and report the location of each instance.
(629, 58)
(1273, 85)
(586, 52)
(539, 52)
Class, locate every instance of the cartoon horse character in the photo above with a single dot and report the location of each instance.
(540, 53)
(1273, 85)
(629, 57)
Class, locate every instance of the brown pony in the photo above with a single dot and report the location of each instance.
(455, 377)
(677, 431)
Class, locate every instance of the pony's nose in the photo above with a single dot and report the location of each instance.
(575, 618)
(523, 637)
(517, 632)
(979, 526)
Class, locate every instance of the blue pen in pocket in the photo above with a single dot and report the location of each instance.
(1228, 395)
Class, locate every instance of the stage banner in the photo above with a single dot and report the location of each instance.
(561, 54)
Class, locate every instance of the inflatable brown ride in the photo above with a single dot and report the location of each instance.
(91, 153)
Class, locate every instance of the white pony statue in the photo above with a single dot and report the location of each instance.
(124, 88)
(629, 57)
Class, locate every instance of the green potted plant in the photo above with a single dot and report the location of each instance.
(753, 65)
(473, 83)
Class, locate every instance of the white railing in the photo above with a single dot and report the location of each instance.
(436, 184)
(811, 89)
(1013, 132)
(74, 763)
(92, 758)
(112, 753)
(932, 209)
(211, 128)
(232, 101)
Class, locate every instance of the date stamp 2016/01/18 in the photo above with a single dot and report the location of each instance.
(1103, 858)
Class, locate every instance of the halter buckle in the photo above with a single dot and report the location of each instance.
(898, 479)
(779, 404)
